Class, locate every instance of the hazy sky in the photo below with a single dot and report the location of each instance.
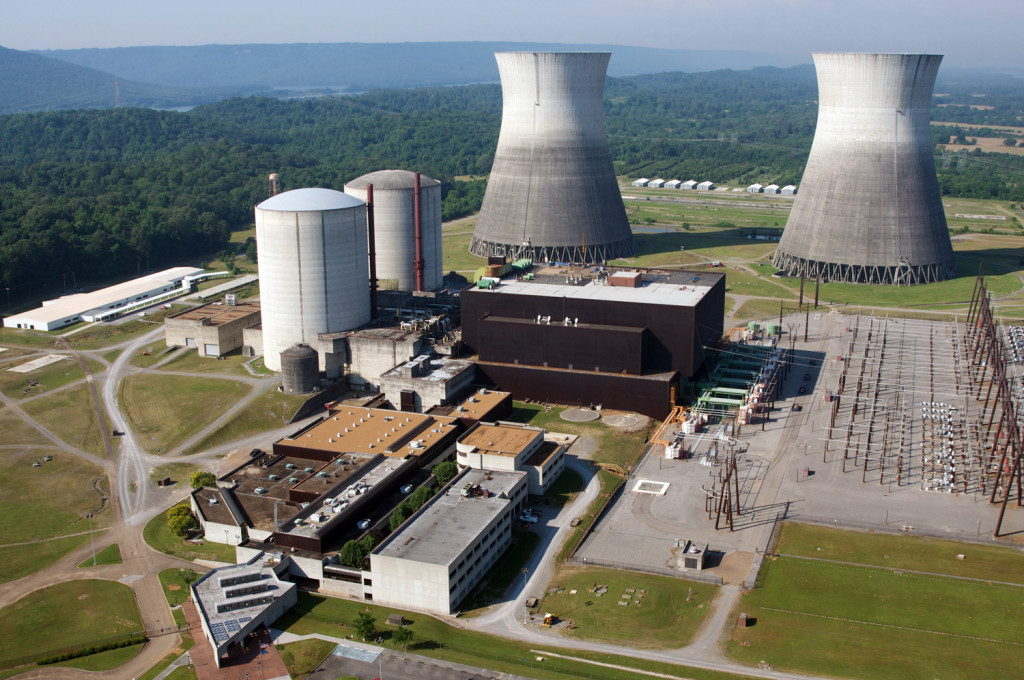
(973, 33)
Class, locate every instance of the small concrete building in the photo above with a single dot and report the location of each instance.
(509, 447)
(673, 184)
(439, 554)
(375, 351)
(690, 184)
(426, 381)
(642, 182)
(755, 189)
(656, 183)
(789, 190)
(214, 329)
(771, 189)
(238, 599)
(706, 186)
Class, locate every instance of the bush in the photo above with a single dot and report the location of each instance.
(352, 554)
(203, 478)
(419, 497)
(400, 514)
(94, 649)
(180, 523)
(445, 472)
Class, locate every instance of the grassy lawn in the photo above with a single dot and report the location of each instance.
(758, 310)
(50, 500)
(178, 472)
(157, 535)
(22, 560)
(434, 638)
(175, 583)
(67, 615)
(109, 555)
(915, 553)
(609, 482)
(49, 378)
(269, 410)
(455, 247)
(190, 361)
(104, 661)
(70, 416)
(152, 354)
(622, 449)
(14, 430)
(300, 658)
(33, 339)
(665, 616)
(854, 621)
(165, 409)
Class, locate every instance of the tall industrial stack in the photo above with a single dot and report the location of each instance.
(313, 268)
(869, 208)
(408, 251)
(552, 193)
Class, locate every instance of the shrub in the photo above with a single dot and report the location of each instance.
(203, 478)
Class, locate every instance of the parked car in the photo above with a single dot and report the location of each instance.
(529, 519)
(363, 524)
(407, 489)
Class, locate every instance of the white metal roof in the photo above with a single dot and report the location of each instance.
(682, 295)
(309, 200)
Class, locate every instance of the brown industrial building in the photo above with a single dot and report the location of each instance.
(625, 340)
(214, 329)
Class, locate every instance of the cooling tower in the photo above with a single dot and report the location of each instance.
(312, 266)
(395, 227)
(552, 187)
(869, 209)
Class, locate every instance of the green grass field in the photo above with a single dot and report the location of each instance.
(49, 500)
(861, 622)
(166, 409)
(109, 555)
(68, 615)
(180, 473)
(70, 416)
(48, 378)
(434, 638)
(665, 616)
(14, 430)
(300, 658)
(152, 354)
(191, 362)
(22, 560)
(176, 583)
(158, 536)
(104, 334)
(270, 410)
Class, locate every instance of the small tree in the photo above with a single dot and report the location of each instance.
(368, 543)
(402, 636)
(445, 472)
(419, 497)
(366, 625)
(352, 554)
(180, 510)
(203, 478)
(1009, 141)
(181, 524)
(400, 514)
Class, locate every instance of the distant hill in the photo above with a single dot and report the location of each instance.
(366, 66)
(32, 82)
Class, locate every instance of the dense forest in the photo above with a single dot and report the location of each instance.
(101, 193)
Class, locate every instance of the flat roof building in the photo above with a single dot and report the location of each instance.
(214, 329)
(624, 341)
(427, 381)
(511, 447)
(439, 554)
(104, 303)
(238, 599)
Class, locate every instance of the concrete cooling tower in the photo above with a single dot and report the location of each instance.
(394, 209)
(312, 266)
(869, 209)
(552, 188)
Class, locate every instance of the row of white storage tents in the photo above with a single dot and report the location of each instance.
(788, 190)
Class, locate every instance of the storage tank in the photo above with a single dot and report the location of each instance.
(869, 208)
(313, 269)
(300, 369)
(552, 194)
(395, 227)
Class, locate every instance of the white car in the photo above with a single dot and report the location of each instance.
(529, 519)
(363, 524)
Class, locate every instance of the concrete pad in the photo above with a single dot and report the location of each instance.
(36, 364)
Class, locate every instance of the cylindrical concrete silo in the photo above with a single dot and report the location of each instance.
(300, 369)
(312, 267)
(869, 208)
(395, 227)
(552, 190)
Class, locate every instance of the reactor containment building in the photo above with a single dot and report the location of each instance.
(869, 208)
(552, 194)
(313, 268)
